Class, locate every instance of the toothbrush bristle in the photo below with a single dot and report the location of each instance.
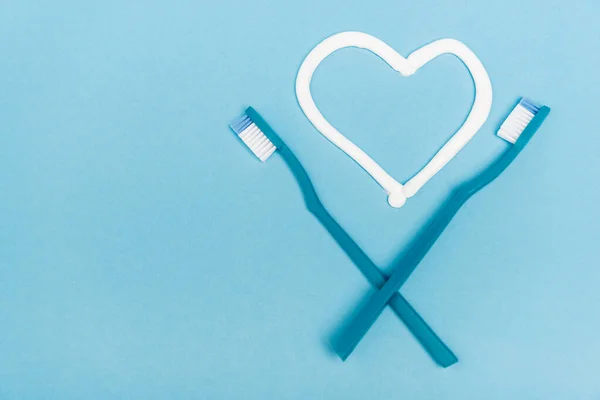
(253, 137)
(517, 121)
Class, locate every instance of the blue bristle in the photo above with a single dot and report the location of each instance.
(239, 124)
(533, 108)
(235, 123)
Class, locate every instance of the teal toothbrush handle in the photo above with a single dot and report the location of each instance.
(356, 330)
(436, 348)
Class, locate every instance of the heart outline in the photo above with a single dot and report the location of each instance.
(482, 103)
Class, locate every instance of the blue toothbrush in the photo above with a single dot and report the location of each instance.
(262, 140)
(517, 129)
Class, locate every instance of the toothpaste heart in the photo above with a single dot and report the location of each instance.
(397, 193)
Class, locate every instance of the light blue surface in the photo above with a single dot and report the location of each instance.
(144, 252)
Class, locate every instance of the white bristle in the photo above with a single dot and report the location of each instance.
(515, 124)
(256, 141)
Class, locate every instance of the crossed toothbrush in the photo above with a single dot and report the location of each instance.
(262, 140)
(518, 129)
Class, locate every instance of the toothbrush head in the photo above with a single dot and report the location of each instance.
(253, 137)
(520, 117)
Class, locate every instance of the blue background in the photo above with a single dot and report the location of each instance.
(144, 253)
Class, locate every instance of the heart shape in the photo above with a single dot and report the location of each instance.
(397, 193)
